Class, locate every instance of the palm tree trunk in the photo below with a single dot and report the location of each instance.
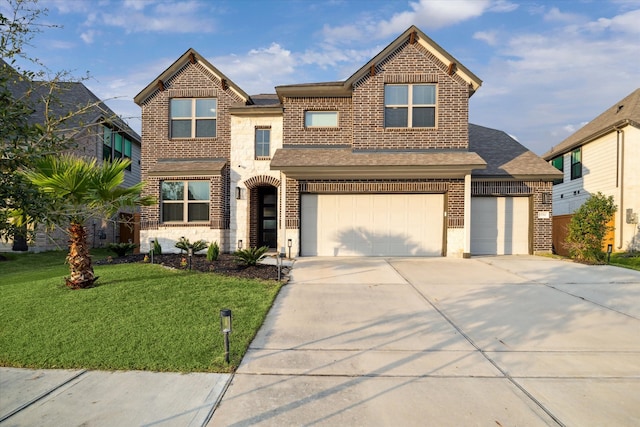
(79, 260)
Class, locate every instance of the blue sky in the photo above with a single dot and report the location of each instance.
(548, 67)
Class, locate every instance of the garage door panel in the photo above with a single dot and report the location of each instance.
(500, 225)
(372, 224)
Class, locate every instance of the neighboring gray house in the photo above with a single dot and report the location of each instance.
(96, 132)
(602, 156)
(384, 163)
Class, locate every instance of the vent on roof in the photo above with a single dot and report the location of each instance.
(620, 107)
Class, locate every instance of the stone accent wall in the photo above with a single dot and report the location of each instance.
(541, 212)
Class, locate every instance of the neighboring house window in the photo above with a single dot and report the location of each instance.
(263, 143)
(193, 118)
(576, 163)
(185, 201)
(412, 106)
(321, 119)
(115, 146)
(558, 163)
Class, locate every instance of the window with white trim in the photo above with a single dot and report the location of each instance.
(193, 117)
(185, 201)
(321, 119)
(410, 105)
(263, 143)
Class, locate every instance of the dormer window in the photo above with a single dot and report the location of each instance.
(193, 117)
(410, 105)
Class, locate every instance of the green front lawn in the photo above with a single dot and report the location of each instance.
(626, 259)
(139, 316)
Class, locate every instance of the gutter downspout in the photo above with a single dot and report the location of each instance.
(620, 141)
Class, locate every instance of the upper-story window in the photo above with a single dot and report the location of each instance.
(115, 146)
(576, 163)
(185, 201)
(558, 163)
(321, 119)
(193, 117)
(410, 105)
(263, 143)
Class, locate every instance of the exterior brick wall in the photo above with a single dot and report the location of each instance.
(295, 131)
(192, 81)
(411, 64)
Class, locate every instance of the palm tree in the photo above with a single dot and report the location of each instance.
(80, 190)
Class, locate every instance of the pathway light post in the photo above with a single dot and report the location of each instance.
(225, 327)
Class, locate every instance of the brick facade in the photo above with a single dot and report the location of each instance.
(191, 81)
(360, 128)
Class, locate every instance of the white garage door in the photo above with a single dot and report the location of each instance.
(372, 224)
(499, 225)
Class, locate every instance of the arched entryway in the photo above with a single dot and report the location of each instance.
(263, 211)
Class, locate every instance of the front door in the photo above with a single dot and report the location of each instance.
(267, 217)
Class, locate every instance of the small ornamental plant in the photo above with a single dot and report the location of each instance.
(183, 262)
(146, 258)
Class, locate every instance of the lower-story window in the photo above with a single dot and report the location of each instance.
(185, 201)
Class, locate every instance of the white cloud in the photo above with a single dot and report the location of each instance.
(553, 80)
(489, 37)
(555, 15)
(259, 70)
(430, 15)
(88, 36)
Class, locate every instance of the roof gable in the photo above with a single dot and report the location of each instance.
(412, 35)
(193, 57)
(622, 113)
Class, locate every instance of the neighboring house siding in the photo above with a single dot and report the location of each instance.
(601, 172)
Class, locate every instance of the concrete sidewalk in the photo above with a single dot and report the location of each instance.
(485, 341)
(94, 398)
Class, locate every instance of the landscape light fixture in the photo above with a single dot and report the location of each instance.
(190, 254)
(152, 243)
(609, 250)
(289, 244)
(225, 328)
(239, 244)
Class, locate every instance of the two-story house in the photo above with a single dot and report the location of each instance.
(602, 156)
(384, 163)
(93, 131)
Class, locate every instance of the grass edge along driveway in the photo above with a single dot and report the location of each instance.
(138, 317)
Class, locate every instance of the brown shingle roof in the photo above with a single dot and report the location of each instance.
(175, 167)
(506, 157)
(623, 112)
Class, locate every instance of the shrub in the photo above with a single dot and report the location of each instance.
(184, 245)
(213, 252)
(250, 256)
(588, 227)
(121, 249)
(157, 249)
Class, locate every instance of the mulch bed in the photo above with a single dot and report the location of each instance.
(225, 264)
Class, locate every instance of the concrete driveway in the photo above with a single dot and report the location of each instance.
(494, 341)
